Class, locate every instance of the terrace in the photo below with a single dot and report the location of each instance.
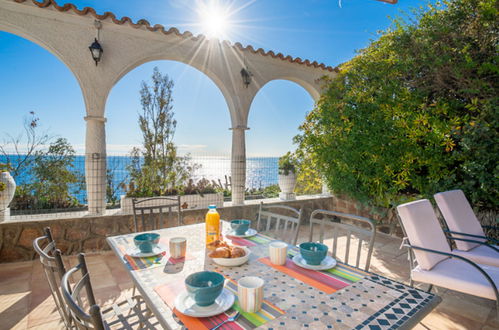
(102, 189)
(26, 302)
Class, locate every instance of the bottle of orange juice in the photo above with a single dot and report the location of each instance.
(212, 224)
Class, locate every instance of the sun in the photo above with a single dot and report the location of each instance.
(214, 20)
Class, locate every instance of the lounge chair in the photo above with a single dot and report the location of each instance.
(465, 229)
(436, 265)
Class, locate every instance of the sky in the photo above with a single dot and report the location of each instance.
(328, 31)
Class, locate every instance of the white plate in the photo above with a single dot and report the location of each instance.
(232, 262)
(250, 232)
(186, 305)
(327, 263)
(135, 252)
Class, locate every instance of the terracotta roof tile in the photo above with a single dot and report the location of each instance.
(158, 27)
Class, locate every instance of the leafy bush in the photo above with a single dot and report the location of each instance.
(416, 112)
(287, 164)
(55, 180)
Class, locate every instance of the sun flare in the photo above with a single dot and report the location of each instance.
(214, 19)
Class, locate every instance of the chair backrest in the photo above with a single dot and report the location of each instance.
(53, 266)
(422, 228)
(280, 220)
(459, 216)
(74, 298)
(363, 229)
(150, 213)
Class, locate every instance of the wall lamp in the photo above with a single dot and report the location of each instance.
(246, 75)
(95, 48)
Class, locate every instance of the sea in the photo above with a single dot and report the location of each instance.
(260, 171)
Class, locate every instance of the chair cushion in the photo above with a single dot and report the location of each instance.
(481, 255)
(459, 217)
(423, 230)
(460, 276)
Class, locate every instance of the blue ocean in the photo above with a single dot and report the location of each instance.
(260, 171)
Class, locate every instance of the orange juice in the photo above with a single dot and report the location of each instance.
(212, 224)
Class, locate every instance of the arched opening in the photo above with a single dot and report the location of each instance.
(202, 130)
(42, 112)
(276, 112)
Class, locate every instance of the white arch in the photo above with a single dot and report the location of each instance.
(18, 32)
(203, 70)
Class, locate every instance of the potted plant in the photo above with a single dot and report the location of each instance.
(7, 190)
(287, 176)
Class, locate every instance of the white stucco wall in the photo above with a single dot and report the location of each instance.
(67, 32)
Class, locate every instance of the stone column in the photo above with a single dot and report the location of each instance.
(95, 164)
(238, 164)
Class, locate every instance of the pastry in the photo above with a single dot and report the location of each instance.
(216, 244)
(220, 252)
(237, 252)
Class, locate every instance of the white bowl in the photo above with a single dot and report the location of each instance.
(232, 262)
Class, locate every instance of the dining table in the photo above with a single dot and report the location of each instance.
(344, 297)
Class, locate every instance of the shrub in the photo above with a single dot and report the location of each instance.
(287, 164)
(416, 112)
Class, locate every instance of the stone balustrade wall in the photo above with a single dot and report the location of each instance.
(85, 234)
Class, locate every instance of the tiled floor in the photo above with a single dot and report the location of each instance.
(25, 301)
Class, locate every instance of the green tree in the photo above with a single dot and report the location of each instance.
(55, 180)
(416, 112)
(157, 169)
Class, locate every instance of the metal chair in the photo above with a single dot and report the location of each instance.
(124, 315)
(331, 220)
(151, 212)
(280, 225)
(464, 229)
(51, 260)
(432, 261)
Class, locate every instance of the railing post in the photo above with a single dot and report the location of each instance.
(95, 164)
(238, 164)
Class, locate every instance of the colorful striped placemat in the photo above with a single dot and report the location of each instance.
(258, 239)
(161, 259)
(168, 293)
(329, 281)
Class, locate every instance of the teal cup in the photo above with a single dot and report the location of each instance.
(313, 253)
(204, 287)
(240, 227)
(146, 242)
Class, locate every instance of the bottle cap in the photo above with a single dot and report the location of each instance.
(212, 206)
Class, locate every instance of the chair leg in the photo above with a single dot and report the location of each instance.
(429, 288)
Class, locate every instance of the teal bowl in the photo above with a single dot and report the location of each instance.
(313, 253)
(204, 287)
(146, 242)
(239, 226)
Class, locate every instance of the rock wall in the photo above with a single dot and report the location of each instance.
(86, 234)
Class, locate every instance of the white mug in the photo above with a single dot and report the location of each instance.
(178, 245)
(250, 293)
(278, 253)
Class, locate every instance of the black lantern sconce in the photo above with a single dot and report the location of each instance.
(246, 75)
(95, 48)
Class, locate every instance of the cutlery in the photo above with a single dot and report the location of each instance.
(230, 319)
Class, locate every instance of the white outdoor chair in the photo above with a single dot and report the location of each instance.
(362, 229)
(465, 229)
(436, 265)
(279, 221)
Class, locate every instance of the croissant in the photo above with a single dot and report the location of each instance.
(216, 244)
(237, 252)
(221, 252)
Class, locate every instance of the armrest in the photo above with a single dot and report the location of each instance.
(493, 240)
(480, 269)
(473, 241)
